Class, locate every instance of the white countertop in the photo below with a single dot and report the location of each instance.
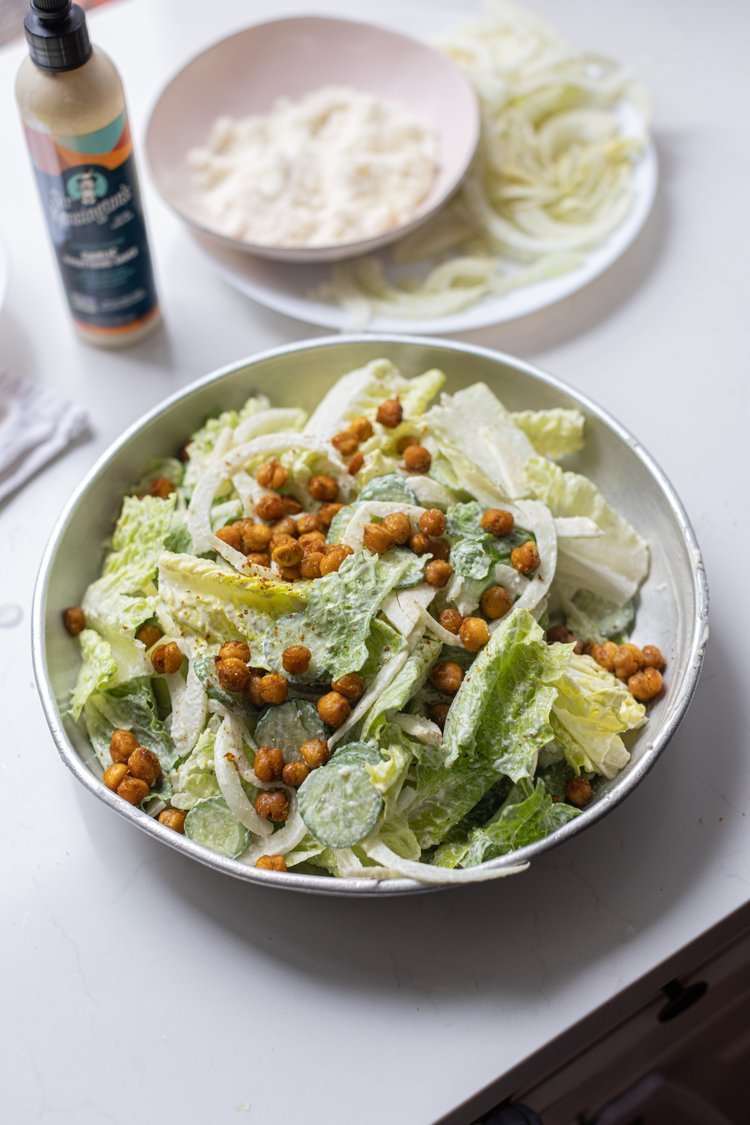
(139, 986)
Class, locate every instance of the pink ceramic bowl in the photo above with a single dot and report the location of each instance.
(245, 74)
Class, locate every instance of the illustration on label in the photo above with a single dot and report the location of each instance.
(89, 190)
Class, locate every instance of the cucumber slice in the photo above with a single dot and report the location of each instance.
(338, 803)
(288, 726)
(211, 824)
(358, 753)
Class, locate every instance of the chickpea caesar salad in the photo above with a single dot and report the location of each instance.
(386, 640)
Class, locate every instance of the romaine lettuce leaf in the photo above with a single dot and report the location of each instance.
(592, 709)
(202, 444)
(211, 602)
(528, 814)
(614, 564)
(194, 778)
(125, 596)
(131, 706)
(403, 686)
(360, 393)
(341, 608)
(98, 668)
(553, 433)
(474, 425)
(475, 552)
(593, 619)
(497, 723)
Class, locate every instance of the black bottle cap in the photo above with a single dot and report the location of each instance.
(57, 34)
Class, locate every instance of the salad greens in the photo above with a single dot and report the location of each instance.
(418, 734)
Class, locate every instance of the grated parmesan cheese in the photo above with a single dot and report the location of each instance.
(336, 166)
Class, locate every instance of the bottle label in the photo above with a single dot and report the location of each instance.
(89, 189)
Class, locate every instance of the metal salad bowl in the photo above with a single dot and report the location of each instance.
(673, 603)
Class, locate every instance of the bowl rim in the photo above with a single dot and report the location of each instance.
(315, 255)
(352, 887)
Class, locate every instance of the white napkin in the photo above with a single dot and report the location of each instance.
(36, 423)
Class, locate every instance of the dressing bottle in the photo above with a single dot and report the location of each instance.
(73, 111)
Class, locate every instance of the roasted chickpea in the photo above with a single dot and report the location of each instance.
(166, 659)
(259, 558)
(235, 650)
(290, 573)
(334, 709)
(272, 688)
(234, 674)
(292, 506)
(74, 620)
(308, 523)
(148, 635)
(438, 548)
(652, 657)
(417, 459)
(269, 507)
(231, 535)
(114, 774)
(173, 818)
(286, 551)
(253, 691)
(272, 804)
(346, 442)
(420, 544)
(496, 602)
(432, 522)
(525, 559)
(439, 714)
(255, 537)
(144, 764)
(294, 773)
(313, 542)
(132, 789)
(646, 684)
(398, 525)
(474, 633)
(350, 686)
(334, 557)
(273, 862)
(578, 791)
(183, 453)
(377, 538)
(451, 620)
(315, 752)
(604, 655)
(296, 659)
(560, 635)
(355, 464)
(405, 441)
(390, 413)
(627, 661)
(268, 763)
(272, 475)
(161, 487)
(446, 677)
(361, 428)
(309, 568)
(326, 513)
(497, 521)
(323, 487)
(121, 745)
(438, 573)
(285, 526)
